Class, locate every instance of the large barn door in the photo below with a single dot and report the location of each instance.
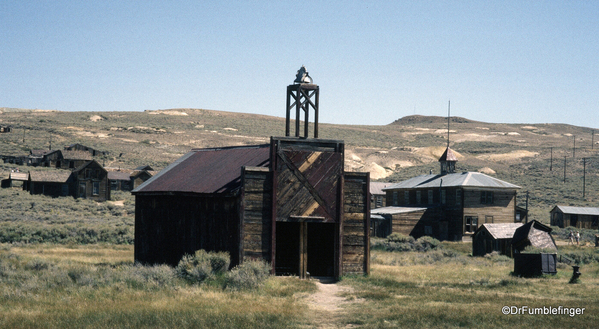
(307, 207)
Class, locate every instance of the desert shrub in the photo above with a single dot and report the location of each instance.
(495, 256)
(203, 265)
(248, 275)
(426, 243)
(148, 277)
(401, 242)
(583, 256)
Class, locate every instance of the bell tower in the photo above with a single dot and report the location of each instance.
(302, 95)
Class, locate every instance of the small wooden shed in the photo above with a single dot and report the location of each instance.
(494, 237)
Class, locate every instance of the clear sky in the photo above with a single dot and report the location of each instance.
(375, 61)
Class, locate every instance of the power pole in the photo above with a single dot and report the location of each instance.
(574, 148)
(551, 163)
(584, 174)
(526, 208)
(565, 156)
(592, 139)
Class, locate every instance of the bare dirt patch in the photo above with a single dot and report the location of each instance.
(328, 304)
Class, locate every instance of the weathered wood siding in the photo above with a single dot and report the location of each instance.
(356, 223)
(256, 228)
(170, 226)
(502, 210)
(88, 175)
(406, 222)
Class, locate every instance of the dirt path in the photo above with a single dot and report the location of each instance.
(327, 304)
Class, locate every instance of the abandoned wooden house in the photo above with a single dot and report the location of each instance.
(494, 237)
(89, 181)
(579, 217)
(289, 203)
(450, 205)
(127, 180)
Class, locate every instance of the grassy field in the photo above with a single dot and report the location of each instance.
(98, 286)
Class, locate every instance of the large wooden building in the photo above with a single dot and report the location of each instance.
(289, 202)
(450, 205)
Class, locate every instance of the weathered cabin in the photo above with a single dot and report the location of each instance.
(535, 234)
(579, 217)
(74, 159)
(119, 180)
(53, 183)
(89, 181)
(404, 220)
(494, 237)
(20, 177)
(457, 203)
(289, 203)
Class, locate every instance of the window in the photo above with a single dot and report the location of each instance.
(379, 201)
(65, 189)
(458, 197)
(471, 224)
(406, 197)
(418, 197)
(489, 219)
(395, 201)
(428, 230)
(486, 197)
(443, 197)
(88, 173)
(96, 189)
(430, 196)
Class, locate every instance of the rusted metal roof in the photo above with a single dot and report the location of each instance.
(216, 170)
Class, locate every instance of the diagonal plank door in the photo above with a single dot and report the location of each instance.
(308, 183)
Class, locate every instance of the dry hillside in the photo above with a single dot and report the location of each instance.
(518, 153)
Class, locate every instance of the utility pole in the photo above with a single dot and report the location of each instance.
(551, 163)
(574, 148)
(584, 174)
(526, 208)
(565, 156)
(592, 139)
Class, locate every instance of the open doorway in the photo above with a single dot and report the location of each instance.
(303, 248)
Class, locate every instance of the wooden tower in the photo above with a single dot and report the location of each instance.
(302, 95)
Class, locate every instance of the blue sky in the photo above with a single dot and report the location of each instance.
(375, 61)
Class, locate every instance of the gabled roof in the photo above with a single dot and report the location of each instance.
(20, 176)
(146, 167)
(377, 187)
(464, 179)
(76, 155)
(118, 175)
(41, 153)
(89, 163)
(50, 176)
(216, 170)
(591, 211)
(500, 230)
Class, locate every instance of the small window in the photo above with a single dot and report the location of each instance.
(406, 197)
(418, 197)
(443, 197)
(82, 189)
(96, 189)
(395, 201)
(428, 230)
(489, 219)
(458, 197)
(486, 197)
(430, 196)
(471, 224)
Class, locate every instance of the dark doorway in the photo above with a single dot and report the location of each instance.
(305, 247)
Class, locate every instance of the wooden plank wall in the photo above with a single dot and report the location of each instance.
(503, 208)
(256, 231)
(356, 224)
(406, 222)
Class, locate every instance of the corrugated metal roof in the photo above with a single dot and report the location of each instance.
(52, 176)
(579, 210)
(501, 230)
(207, 170)
(377, 187)
(395, 210)
(465, 179)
